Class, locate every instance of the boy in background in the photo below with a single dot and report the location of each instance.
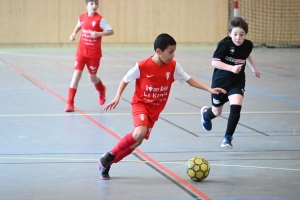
(89, 53)
(229, 61)
(153, 80)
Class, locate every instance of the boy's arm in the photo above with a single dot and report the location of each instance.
(250, 62)
(104, 33)
(197, 84)
(113, 104)
(76, 30)
(107, 29)
(223, 66)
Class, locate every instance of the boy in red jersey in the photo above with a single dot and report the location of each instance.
(93, 26)
(154, 77)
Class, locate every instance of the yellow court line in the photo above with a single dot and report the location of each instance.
(137, 161)
(99, 114)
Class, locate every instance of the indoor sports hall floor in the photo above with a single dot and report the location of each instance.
(46, 153)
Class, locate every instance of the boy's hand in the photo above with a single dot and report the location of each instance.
(112, 105)
(256, 73)
(94, 34)
(217, 91)
(72, 37)
(236, 68)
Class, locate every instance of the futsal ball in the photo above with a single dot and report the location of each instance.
(197, 168)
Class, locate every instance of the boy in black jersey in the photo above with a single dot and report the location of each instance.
(229, 61)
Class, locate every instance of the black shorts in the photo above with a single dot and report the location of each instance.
(218, 100)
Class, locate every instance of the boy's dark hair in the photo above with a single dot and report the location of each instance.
(163, 41)
(87, 1)
(238, 22)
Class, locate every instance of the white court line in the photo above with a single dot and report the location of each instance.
(103, 58)
(121, 114)
(138, 161)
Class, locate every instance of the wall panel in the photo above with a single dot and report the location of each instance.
(134, 21)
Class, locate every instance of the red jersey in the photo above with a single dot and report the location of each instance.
(91, 47)
(153, 84)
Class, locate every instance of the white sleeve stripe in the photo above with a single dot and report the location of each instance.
(104, 25)
(180, 75)
(78, 23)
(132, 74)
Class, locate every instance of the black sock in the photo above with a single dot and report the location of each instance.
(234, 117)
(209, 115)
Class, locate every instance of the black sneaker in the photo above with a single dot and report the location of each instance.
(103, 172)
(207, 125)
(106, 159)
(227, 142)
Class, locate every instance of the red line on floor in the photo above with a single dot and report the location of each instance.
(151, 160)
(61, 65)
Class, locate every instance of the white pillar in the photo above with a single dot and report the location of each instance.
(235, 8)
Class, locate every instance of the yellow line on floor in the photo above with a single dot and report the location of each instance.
(137, 161)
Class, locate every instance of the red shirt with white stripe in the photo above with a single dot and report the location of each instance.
(91, 47)
(153, 84)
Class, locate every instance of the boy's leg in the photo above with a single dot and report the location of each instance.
(93, 66)
(127, 152)
(73, 86)
(122, 149)
(108, 158)
(207, 114)
(122, 155)
(101, 88)
(127, 144)
(70, 101)
(233, 119)
(124, 144)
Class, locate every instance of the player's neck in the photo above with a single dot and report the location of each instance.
(157, 60)
(91, 14)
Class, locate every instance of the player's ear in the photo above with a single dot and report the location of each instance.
(158, 51)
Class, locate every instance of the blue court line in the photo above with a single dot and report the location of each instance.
(273, 96)
(260, 92)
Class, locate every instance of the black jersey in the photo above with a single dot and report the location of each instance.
(231, 54)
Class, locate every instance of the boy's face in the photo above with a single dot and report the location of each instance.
(238, 36)
(92, 7)
(168, 54)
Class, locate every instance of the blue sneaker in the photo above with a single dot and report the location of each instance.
(207, 125)
(227, 142)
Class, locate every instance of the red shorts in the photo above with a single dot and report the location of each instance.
(141, 118)
(91, 63)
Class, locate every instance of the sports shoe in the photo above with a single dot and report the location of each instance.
(70, 107)
(103, 172)
(207, 125)
(106, 159)
(227, 142)
(102, 97)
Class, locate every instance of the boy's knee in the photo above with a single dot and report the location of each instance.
(139, 133)
(217, 112)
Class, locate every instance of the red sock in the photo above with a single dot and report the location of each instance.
(71, 95)
(125, 143)
(122, 155)
(99, 86)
